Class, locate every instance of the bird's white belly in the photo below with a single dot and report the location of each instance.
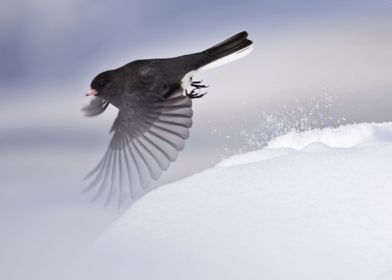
(187, 80)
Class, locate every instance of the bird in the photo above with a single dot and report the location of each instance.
(154, 102)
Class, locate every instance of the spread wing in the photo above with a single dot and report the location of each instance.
(95, 107)
(147, 136)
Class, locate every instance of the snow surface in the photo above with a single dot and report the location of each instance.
(311, 205)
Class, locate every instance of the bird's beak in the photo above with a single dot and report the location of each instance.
(91, 92)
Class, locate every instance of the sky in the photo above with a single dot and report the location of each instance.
(314, 64)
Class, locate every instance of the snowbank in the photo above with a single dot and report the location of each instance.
(312, 205)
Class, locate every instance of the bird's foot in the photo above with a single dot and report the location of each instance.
(198, 85)
(193, 94)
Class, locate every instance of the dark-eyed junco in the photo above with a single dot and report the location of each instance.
(154, 101)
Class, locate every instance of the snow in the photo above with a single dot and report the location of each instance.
(311, 205)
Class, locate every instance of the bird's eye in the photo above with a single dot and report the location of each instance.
(102, 84)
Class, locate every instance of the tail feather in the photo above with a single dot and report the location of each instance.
(229, 50)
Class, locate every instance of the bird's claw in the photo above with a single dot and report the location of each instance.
(198, 84)
(193, 94)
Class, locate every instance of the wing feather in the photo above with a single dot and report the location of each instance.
(147, 136)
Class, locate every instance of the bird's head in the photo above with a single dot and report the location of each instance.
(105, 85)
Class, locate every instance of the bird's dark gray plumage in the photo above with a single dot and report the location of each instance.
(154, 118)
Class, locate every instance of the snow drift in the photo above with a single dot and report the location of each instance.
(311, 205)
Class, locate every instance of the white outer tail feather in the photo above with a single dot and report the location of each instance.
(227, 59)
(187, 79)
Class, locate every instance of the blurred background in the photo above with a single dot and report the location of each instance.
(314, 64)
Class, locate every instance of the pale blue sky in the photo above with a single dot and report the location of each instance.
(45, 42)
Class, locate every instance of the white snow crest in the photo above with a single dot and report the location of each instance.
(347, 136)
